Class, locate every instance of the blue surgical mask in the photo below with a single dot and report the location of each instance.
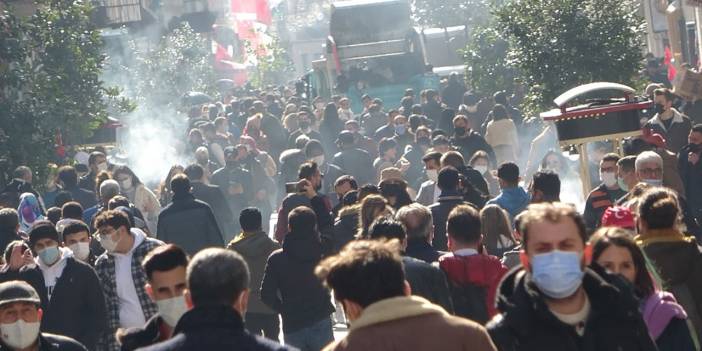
(400, 129)
(653, 182)
(50, 255)
(557, 274)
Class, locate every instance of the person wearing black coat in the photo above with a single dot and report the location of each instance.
(352, 160)
(187, 222)
(68, 179)
(76, 307)
(211, 195)
(291, 288)
(691, 172)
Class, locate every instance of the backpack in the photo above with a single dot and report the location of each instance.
(469, 300)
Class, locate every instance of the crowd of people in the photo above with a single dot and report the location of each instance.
(438, 225)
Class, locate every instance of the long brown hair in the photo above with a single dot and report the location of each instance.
(372, 207)
(494, 222)
(620, 237)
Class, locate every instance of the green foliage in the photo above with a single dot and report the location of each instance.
(446, 13)
(273, 65)
(158, 77)
(50, 65)
(487, 67)
(560, 44)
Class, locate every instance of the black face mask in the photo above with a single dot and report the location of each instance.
(658, 108)
(459, 130)
(391, 189)
(304, 124)
(424, 141)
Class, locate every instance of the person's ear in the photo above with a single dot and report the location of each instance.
(188, 299)
(587, 254)
(524, 259)
(40, 314)
(242, 302)
(149, 291)
(408, 289)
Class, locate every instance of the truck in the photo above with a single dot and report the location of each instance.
(373, 49)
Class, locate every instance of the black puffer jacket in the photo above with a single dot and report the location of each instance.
(428, 282)
(525, 322)
(289, 285)
(190, 224)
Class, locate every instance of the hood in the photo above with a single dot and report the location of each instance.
(479, 270)
(658, 310)
(53, 272)
(253, 245)
(513, 199)
(672, 252)
(290, 153)
(303, 246)
(395, 308)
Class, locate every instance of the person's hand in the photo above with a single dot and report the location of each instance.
(693, 158)
(27, 258)
(403, 165)
(306, 188)
(16, 258)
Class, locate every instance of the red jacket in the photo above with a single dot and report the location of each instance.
(485, 271)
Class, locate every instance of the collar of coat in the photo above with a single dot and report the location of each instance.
(677, 118)
(653, 236)
(393, 309)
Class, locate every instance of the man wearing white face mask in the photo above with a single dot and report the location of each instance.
(123, 280)
(165, 270)
(20, 319)
(554, 302)
(428, 192)
(76, 236)
(97, 162)
(605, 195)
(69, 290)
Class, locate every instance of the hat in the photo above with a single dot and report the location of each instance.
(618, 216)
(390, 173)
(42, 230)
(345, 137)
(17, 291)
(229, 150)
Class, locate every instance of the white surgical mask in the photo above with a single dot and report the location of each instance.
(80, 250)
(608, 178)
(20, 334)
(433, 175)
(481, 168)
(319, 160)
(172, 309)
(102, 166)
(653, 182)
(108, 244)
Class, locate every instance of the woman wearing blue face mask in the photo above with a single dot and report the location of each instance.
(556, 302)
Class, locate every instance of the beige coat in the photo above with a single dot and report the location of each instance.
(502, 136)
(412, 323)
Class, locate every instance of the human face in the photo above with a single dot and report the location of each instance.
(75, 238)
(26, 311)
(117, 236)
(431, 164)
(423, 134)
(618, 260)
(98, 160)
(400, 120)
(481, 162)
(608, 167)
(353, 128)
(663, 102)
(44, 243)
(649, 170)
(317, 180)
(167, 284)
(460, 123)
(553, 163)
(342, 189)
(546, 236)
(695, 138)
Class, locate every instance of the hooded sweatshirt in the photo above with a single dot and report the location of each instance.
(53, 273)
(513, 200)
(290, 286)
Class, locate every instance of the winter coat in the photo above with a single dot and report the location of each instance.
(425, 195)
(482, 271)
(411, 323)
(502, 136)
(420, 249)
(691, 175)
(190, 224)
(428, 282)
(432, 110)
(290, 286)
(439, 213)
(255, 248)
(667, 322)
(77, 306)
(345, 227)
(452, 94)
(513, 200)
(676, 135)
(214, 328)
(678, 260)
(471, 142)
(598, 201)
(320, 204)
(212, 195)
(526, 323)
(231, 176)
(85, 198)
(147, 203)
(356, 163)
(51, 342)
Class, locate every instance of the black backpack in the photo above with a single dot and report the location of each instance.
(469, 300)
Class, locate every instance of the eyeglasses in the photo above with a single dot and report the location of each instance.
(651, 171)
(106, 233)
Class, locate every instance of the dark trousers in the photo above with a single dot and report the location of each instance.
(267, 325)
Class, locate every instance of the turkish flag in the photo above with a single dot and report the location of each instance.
(668, 61)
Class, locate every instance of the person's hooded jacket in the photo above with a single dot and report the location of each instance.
(290, 286)
(678, 260)
(513, 200)
(255, 248)
(483, 271)
(526, 323)
(190, 224)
